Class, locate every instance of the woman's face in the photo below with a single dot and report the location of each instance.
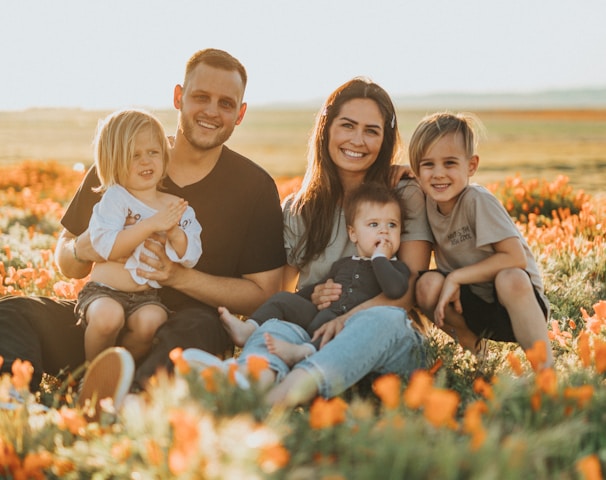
(355, 136)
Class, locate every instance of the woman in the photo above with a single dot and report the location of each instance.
(355, 140)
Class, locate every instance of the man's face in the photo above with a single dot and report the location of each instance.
(210, 105)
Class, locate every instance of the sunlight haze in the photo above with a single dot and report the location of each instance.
(110, 54)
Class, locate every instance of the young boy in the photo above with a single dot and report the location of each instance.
(374, 224)
(487, 283)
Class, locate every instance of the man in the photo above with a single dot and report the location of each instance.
(235, 201)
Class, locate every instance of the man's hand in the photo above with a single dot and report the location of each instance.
(329, 330)
(163, 268)
(326, 293)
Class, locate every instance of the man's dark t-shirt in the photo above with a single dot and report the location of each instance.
(238, 206)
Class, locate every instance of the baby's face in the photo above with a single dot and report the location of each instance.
(376, 227)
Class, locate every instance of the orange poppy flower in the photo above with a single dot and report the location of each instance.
(418, 388)
(546, 381)
(436, 366)
(273, 457)
(121, 450)
(34, 464)
(558, 335)
(600, 309)
(256, 365)
(581, 394)
(589, 467)
(387, 388)
(327, 413)
(599, 348)
(209, 377)
(181, 365)
(583, 348)
(71, 420)
(515, 364)
(472, 423)
(154, 452)
(440, 407)
(537, 355)
(185, 440)
(482, 387)
(22, 374)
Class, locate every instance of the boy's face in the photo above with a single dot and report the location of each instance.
(444, 171)
(376, 227)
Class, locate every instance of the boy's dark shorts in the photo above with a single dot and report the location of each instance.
(130, 301)
(488, 320)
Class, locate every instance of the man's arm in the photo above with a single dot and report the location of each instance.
(75, 255)
(242, 295)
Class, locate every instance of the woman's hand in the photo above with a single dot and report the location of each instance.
(329, 330)
(398, 172)
(326, 293)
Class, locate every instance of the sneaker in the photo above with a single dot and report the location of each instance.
(200, 360)
(108, 376)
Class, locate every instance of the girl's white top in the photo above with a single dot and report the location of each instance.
(109, 217)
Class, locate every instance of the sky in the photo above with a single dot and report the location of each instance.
(109, 54)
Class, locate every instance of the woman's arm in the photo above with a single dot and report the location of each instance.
(416, 255)
(290, 277)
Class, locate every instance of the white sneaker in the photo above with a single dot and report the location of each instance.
(109, 375)
(200, 360)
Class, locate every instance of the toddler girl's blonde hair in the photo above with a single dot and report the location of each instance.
(115, 144)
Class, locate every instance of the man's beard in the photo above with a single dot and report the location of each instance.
(188, 128)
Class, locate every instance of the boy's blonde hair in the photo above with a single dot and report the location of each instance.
(115, 143)
(433, 127)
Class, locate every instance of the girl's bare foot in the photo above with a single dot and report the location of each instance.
(238, 330)
(290, 353)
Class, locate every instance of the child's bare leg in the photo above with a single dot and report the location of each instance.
(298, 387)
(455, 326)
(142, 326)
(290, 353)
(105, 319)
(428, 289)
(516, 294)
(238, 330)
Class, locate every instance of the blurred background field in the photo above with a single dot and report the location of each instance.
(532, 142)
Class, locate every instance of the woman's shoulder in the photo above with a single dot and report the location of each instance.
(409, 188)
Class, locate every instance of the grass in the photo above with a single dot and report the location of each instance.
(501, 418)
(536, 144)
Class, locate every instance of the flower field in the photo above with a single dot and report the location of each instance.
(504, 417)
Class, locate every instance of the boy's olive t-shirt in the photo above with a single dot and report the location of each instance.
(465, 236)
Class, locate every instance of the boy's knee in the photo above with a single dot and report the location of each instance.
(512, 281)
(428, 287)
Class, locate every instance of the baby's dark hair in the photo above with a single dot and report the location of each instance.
(372, 193)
